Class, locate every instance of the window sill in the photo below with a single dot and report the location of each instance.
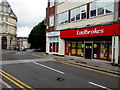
(100, 15)
(78, 20)
(62, 24)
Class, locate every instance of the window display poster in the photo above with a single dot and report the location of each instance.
(110, 52)
(73, 48)
(79, 51)
(73, 51)
(103, 51)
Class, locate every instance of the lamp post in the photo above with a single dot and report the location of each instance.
(113, 63)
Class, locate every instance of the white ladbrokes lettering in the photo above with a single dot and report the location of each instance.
(85, 32)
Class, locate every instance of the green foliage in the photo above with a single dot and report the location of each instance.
(37, 37)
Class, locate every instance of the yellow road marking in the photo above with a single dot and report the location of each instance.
(16, 80)
(9, 87)
(86, 68)
(11, 80)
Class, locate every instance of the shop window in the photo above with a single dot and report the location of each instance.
(96, 50)
(110, 51)
(57, 46)
(50, 47)
(80, 49)
(53, 44)
(103, 51)
(73, 50)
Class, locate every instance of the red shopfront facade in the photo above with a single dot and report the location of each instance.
(91, 43)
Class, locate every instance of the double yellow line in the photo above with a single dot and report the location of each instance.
(15, 81)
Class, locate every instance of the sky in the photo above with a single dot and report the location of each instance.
(29, 14)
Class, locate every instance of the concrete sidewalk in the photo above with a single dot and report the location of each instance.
(94, 64)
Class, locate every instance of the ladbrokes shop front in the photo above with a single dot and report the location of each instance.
(97, 42)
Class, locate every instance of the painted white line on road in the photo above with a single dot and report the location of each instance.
(49, 67)
(18, 53)
(99, 86)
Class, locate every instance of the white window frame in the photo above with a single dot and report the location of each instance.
(52, 3)
(62, 18)
(80, 13)
(60, 1)
(51, 21)
(55, 40)
(6, 28)
(104, 6)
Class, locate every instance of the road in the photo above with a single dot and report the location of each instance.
(24, 70)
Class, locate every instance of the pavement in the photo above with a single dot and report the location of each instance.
(94, 64)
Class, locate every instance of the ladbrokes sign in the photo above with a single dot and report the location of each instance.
(95, 31)
(105, 30)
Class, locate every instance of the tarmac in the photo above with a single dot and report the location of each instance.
(101, 65)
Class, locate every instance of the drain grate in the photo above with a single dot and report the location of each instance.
(60, 79)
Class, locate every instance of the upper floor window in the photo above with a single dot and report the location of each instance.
(52, 3)
(7, 9)
(78, 13)
(6, 19)
(101, 7)
(0, 8)
(6, 28)
(2, 18)
(63, 18)
(51, 21)
(0, 28)
(60, 1)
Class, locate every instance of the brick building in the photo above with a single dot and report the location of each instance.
(89, 29)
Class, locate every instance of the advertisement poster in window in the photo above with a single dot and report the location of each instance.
(103, 51)
(73, 48)
(110, 52)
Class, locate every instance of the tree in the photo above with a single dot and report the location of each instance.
(37, 37)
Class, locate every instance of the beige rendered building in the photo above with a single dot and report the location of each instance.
(8, 26)
(87, 29)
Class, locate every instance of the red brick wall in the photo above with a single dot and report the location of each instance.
(49, 12)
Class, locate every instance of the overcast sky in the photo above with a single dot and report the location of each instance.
(29, 13)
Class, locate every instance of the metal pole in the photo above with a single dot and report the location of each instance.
(113, 63)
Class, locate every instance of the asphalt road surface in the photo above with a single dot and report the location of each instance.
(35, 72)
